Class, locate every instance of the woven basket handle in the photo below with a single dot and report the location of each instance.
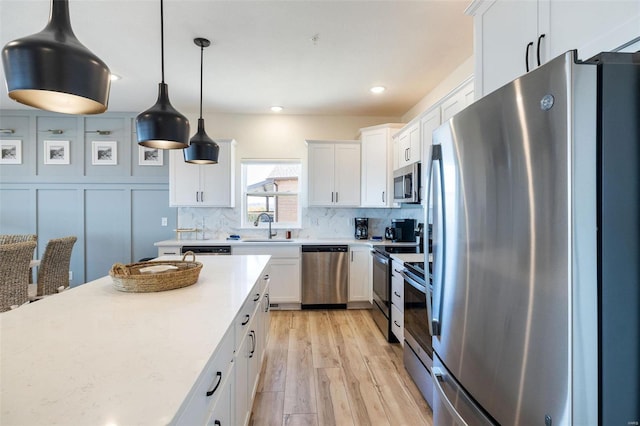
(187, 254)
(119, 269)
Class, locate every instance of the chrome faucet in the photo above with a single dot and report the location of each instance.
(269, 221)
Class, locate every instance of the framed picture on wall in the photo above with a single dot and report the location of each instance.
(56, 152)
(10, 151)
(104, 153)
(149, 156)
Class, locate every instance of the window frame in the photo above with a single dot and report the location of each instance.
(244, 222)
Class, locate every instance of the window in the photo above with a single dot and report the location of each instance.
(271, 187)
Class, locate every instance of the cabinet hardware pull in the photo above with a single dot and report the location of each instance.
(253, 343)
(215, 388)
(217, 423)
(257, 297)
(352, 256)
(197, 196)
(409, 154)
(266, 277)
(336, 197)
(100, 132)
(396, 293)
(332, 196)
(526, 56)
(266, 308)
(247, 321)
(55, 131)
(540, 37)
(396, 323)
(7, 131)
(202, 196)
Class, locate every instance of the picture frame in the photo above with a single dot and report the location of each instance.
(10, 151)
(150, 156)
(56, 152)
(104, 153)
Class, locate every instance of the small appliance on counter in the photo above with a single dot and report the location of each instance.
(361, 228)
(401, 231)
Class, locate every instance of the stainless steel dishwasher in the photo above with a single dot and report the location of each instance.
(325, 276)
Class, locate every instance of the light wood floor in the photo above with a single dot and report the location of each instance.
(334, 368)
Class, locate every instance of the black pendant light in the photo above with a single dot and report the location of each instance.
(202, 149)
(162, 126)
(53, 71)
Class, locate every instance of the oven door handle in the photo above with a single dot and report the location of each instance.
(378, 258)
(415, 284)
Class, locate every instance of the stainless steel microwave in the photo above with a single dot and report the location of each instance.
(406, 184)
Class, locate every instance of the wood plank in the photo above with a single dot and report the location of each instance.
(267, 409)
(333, 404)
(274, 367)
(300, 420)
(323, 344)
(299, 394)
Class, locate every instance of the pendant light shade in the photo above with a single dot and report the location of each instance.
(202, 149)
(53, 71)
(162, 126)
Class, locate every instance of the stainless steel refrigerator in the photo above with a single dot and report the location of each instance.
(536, 237)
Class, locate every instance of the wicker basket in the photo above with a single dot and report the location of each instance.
(179, 274)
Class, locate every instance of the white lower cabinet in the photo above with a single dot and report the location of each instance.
(397, 300)
(284, 271)
(360, 284)
(223, 395)
(222, 413)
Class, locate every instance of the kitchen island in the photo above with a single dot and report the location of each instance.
(94, 355)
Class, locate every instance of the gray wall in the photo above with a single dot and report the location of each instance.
(114, 210)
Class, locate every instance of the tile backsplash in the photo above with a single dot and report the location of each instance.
(317, 222)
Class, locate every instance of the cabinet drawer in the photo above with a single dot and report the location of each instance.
(222, 411)
(276, 250)
(247, 312)
(397, 295)
(209, 385)
(397, 323)
(168, 251)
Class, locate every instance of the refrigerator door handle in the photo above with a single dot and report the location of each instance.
(440, 234)
(439, 376)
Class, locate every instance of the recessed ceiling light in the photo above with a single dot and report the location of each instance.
(377, 89)
(276, 108)
(115, 77)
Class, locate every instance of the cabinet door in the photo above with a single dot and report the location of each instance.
(505, 29)
(321, 176)
(376, 151)
(284, 281)
(184, 181)
(428, 124)
(217, 180)
(223, 409)
(415, 150)
(360, 274)
(242, 400)
(602, 26)
(403, 149)
(347, 175)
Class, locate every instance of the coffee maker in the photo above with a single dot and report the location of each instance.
(362, 228)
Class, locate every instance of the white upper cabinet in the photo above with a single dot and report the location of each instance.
(454, 104)
(334, 173)
(408, 145)
(207, 185)
(377, 165)
(513, 37)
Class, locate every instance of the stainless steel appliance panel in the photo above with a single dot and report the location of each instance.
(501, 293)
(325, 275)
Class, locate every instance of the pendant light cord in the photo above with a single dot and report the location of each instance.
(162, 38)
(201, 71)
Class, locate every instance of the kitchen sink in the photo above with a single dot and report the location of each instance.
(265, 240)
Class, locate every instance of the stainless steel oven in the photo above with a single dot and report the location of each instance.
(418, 352)
(381, 310)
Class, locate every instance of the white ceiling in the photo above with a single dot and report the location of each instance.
(262, 52)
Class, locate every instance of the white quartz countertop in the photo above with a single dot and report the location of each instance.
(95, 356)
(278, 242)
(408, 257)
